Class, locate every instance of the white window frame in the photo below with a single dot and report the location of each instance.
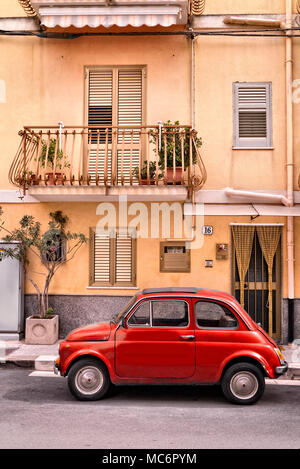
(254, 143)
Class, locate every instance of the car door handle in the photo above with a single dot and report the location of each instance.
(187, 337)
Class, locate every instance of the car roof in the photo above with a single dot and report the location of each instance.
(202, 292)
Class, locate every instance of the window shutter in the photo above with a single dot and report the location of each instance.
(100, 99)
(129, 113)
(112, 259)
(130, 97)
(102, 259)
(252, 115)
(100, 103)
(124, 259)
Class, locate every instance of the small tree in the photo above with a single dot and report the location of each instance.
(53, 248)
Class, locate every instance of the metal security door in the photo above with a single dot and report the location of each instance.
(256, 287)
(11, 295)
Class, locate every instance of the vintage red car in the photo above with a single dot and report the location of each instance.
(171, 336)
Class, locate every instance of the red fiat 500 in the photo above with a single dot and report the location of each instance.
(173, 335)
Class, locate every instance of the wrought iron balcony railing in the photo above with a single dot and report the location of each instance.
(108, 156)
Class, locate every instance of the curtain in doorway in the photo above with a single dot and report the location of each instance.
(243, 241)
(268, 239)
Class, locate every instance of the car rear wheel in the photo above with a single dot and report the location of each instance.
(243, 383)
(88, 380)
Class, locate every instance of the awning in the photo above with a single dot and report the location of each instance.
(93, 17)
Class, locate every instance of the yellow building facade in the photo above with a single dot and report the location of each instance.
(86, 91)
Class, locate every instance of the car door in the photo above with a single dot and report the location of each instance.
(219, 332)
(157, 340)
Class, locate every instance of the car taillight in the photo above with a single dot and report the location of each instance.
(279, 355)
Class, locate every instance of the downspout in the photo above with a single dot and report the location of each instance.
(290, 169)
(192, 82)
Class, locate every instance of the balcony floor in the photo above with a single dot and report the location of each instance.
(68, 193)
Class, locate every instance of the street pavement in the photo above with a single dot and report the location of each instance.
(39, 412)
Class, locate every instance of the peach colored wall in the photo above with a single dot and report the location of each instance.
(218, 7)
(74, 276)
(51, 89)
(45, 81)
(11, 8)
(219, 63)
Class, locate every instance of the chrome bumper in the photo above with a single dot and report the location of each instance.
(280, 370)
(56, 368)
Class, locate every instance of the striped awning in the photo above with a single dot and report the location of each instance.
(93, 17)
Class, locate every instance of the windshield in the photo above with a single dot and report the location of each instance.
(117, 317)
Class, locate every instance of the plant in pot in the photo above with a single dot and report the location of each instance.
(29, 177)
(53, 249)
(52, 158)
(142, 173)
(175, 148)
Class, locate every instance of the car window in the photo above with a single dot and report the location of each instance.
(170, 313)
(141, 316)
(214, 315)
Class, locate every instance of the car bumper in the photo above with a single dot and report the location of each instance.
(280, 370)
(56, 367)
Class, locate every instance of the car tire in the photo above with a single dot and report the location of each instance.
(243, 383)
(88, 380)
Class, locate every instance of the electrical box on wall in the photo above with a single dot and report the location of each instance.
(222, 251)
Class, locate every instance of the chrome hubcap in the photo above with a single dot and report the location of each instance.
(244, 385)
(89, 380)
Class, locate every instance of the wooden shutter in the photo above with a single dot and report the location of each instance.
(129, 113)
(115, 97)
(100, 99)
(252, 115)
(124, 260)
(102, 256)
(100, 106)
(174, 257)
(112, 259)
(130, 97)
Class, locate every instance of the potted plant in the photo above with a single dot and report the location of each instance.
(53, 159)
(174, 139)
(30, 178)
(142, 173)
(54, 248)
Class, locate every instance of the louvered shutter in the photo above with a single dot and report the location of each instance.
(113, 259)
(102, 256)
(129, 113)
(100, 104)
(252, 115)
(115, 97)
(124, 258)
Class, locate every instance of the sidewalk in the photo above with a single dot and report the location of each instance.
(38, 357)
(42, 357)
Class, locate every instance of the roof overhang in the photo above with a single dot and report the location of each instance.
(80, 14)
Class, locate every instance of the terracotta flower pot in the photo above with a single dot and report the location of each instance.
(59, 178)
(144, 182)
(178, 175)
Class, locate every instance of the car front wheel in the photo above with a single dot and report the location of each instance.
(243, 383)
(88, 380)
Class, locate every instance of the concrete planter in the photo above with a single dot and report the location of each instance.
(41, 331)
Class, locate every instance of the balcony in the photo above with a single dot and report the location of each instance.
(55, 163)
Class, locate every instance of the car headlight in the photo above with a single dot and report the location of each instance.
(279, 355)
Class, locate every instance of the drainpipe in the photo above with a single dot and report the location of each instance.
(258, 195)
(192, 84)
(290, 169)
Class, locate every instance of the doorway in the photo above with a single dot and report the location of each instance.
(257, 286)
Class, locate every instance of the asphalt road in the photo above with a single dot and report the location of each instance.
(39, 412)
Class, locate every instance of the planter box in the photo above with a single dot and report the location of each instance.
(178, 175)
(41, 331)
